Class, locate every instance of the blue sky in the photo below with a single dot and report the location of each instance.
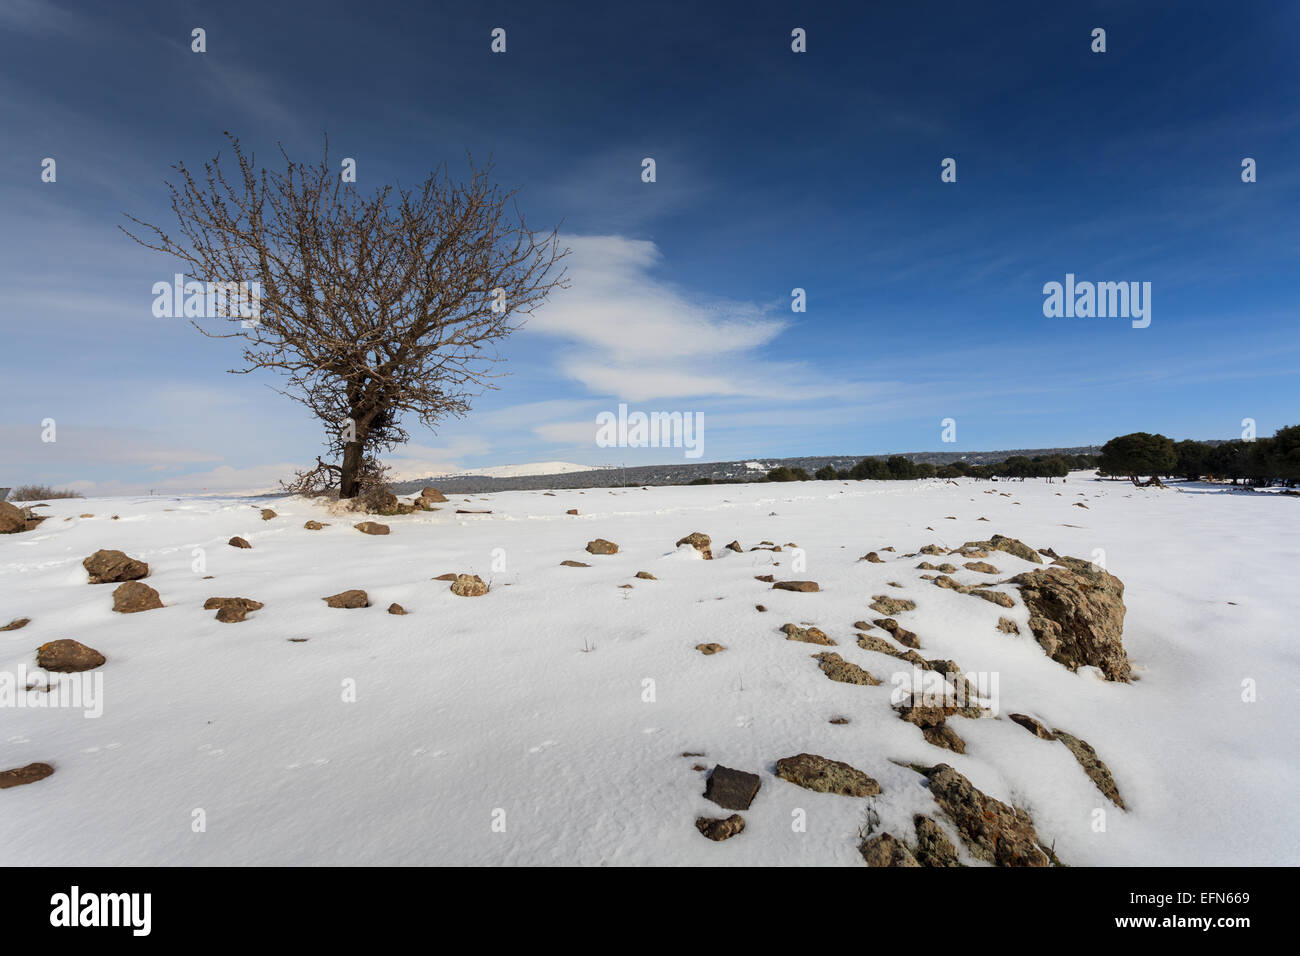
(775, 170)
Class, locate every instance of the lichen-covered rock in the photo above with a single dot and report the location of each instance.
(808, 635)
(396, 608)
(601, 546)
(933, 848)
(823, 775)
(469, 585)
(884, 850)
(889, 606)
(709, 649)
(1093, 766)
(992, 831)
(983, 567)
(716, 828)
(846, 672)
(313, 525)
(898, 632)
(267, 514)
(999, 542)
(1076, 613)
(110, 567)
(1008, 626)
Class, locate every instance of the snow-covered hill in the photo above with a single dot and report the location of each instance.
(546, 721)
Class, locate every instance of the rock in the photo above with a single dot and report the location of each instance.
(67, 656)
(1076, 613)
(708, 649)
(646, 576)
(1000, 543)
(991, 830)
(735, 546)
(133, 596)
(348, 599)
(890, 606)
(872, 558)
(810, 635)
(469, 585)
(884, 850)
(12, 518)
(765, 578)
(232, 610)
(932, 549)
(804, 586)
(700, 542)
(823, 775)
(983, 567)
(760, 608)
(601, 546)
(396, 608)
(436, 496)
(1033, 726)
(268, 514)
(110, 567)
(719, 829)
(1080, 504)
(450, 576)
(1092, 765)
(838, 721)
(572, 511)
(22, 775)
(16, 623)
(731, 789)
(573, 564)
(468, 511)
(238, 542)
(898, 632)
(999, 598)
(1008, 626)
(944, 737)
(846, 672)
(313, 526)
(933, 848)
(869, 642)
(371, 527)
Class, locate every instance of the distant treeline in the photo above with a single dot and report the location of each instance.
(900, 468)
(1261, 462)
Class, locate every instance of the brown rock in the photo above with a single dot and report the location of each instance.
(572, 511)
(313, 525)
(999, 542)
(884, 850)
(469, 585)
(238, 542)
(735, 546)
(134, 596)
(396, 608)
(823, 775)
(232, 610)
(803, 586)
(646, 576)
(267, 514)
(846, 672)
(67, 656)
(765, 578)
(110, 567)
(718, 829)
(889, 606)
(872, 558)
(700, 542)
(1008, 626)
(898, 632)
(451, 576)
(22, 775)
(16, 623)
(348, 599)
(1092, 765)
(983, 567)
(759, 607)
(991, 830)
(434, 495)
(601, 546)
(573, 564)
(810, 635)
(1033, 726)
(708, 649)
(12, 518)
(371, 527)
(1000, 598)
(933, 848)
(731, 789)
(1076, 613)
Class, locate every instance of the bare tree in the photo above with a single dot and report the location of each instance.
(373, 308)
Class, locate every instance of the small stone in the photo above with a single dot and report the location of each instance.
(231, 610)
(700, 542)
(371, 527)
(889, 606)
(601, 546)
(735, 546)
(134, 596)
(823, 775)
(765, 578)
(983, 567)
(573, 564)
(572, 511)
(1008, 626)
(884, 850)
(396, 608)
(719, 829)
(30, 774)
(709, 649)
(354, 598)
(803, 586)
(110, 567)
(646, 576)
(238, 542)
(1033, 726)
(872, 558)
(808, 635)
(16, 623)
(313, 525)
(759, 607)
(845, 672)
(267, 514)
(469, 585)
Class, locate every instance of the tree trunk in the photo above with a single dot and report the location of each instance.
(350, 475)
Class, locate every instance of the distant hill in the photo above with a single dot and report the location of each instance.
(685, 472)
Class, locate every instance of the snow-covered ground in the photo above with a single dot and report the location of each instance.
(530, 705)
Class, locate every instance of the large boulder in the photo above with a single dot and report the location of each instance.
(432, 495)
(12, 519)
(1076, 612)
(110, 567)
